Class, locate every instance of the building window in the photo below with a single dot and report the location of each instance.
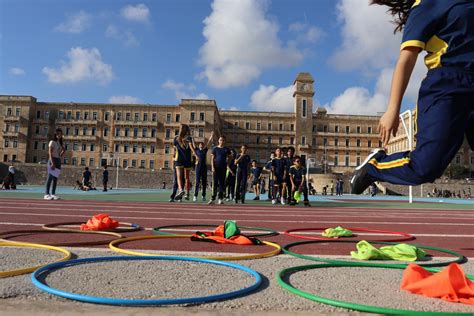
(68, 130)
(125, 163)
(258, 126)
(269, 140)
(105, 147)
(9, 112)
(94, 116)
(458, 159)
(137, 117)
(37, 129)
(336, 142)
(178, 117)
(92, 147)
(69, 115)
(167, 133)
(257, 139)
(168, 118)
(46, 115)
(127, 131)
(61, 115)
(314, 128)
(348, 129)
(38, 113)
(269, 126)
(144, 132)
(303, 140)
(369, 143)
(117, 131)
(125, 148)
(128, 116)
(201, 132)
(358, 129)
(247, 125)
(292, 127)
(336, 160)
(193, 116)
(36, 145)
(145, 117)
(143, 148)
(135, 132)
(325, 141)
(119, 116)
(336, 129)
(152, 164)
(201, 116)
(313, 143)
(304, 108)
(83, 161)
(347, 161)
(65, 161)
(91, 162)
(358, 161)
(347, 143)
(152, 149)
(74, 161)
(369, 130)
(358, 143)
(236, 124)
(135, 148)
(117, 148)
(83, 147)
(153, 117)
(35, 159)
(176, 132)
(153, 132)
(106, 131)
(106, 116)
(292, 140)
(94, 131)
(45, 130)
(84, 131)
(280, 141)
(17, 128)
(325, 129)
(166, 164)
(142, 164)
(75, 146)
(7, 143)
(86, 115)
(472, 160)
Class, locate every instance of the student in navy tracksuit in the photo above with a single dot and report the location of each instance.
(298, 181)
(256, 175)
(219, 157)
(175, 185)
(290, 161)
(182, 160)
(242, 161)
(230, 177)
(201, 168)
(445, 109)
(268, 168)
(279, 174)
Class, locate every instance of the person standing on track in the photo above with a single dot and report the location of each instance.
(268, 168)
(445, 107)
(201, 168)
(256, 175)
(242, 161)
(183, 147)
(230, 177)
(219, 157)
(278, 174)
(298, 181)
(55, 151)
(105, 178)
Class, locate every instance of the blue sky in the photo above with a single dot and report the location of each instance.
(244, 54)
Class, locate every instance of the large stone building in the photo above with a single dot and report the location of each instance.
(141, 135)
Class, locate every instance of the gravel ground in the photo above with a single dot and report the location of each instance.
(168, 279)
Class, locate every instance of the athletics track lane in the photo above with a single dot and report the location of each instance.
(446, 228)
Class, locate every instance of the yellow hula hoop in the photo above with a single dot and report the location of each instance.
(113, 246)
(9, 273)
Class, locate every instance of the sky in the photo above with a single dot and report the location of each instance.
(245, 54)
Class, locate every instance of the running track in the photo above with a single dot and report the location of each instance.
(451, 229)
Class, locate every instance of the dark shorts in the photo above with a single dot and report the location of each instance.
(183, 164)
(278, 179)
(57, 163)
(255, 182)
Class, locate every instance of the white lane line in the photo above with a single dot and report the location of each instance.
(197, 220)
(257, 232)
(249, 213)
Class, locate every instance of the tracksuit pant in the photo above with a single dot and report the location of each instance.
(201, 178)
(218, 183)
(445, 114)
(241, 186)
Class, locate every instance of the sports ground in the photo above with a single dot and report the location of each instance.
(446, 224)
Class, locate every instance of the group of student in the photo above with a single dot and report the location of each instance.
(232, 170)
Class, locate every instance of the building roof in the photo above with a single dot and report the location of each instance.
(304, 76)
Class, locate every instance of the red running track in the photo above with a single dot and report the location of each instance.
(451, 229)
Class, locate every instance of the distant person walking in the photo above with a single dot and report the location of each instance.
(55, 151)
(105, 178)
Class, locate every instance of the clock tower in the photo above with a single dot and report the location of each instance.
(303, 98)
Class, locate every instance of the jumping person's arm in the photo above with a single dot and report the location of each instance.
(388, 124)
(211, 138)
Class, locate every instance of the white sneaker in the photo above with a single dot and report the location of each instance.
(211, 202)
(55, 197)
(219, 201)
(47, 197)
(274, 201)
(283, 201)
(195, 199)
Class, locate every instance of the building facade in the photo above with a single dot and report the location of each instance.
(141, 135)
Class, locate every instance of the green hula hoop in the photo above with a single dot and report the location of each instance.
(460, 258)
(354, 306)
(269, 232)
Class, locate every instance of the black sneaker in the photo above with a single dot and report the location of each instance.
(171, 200)
(256, 198)
(180, 195)
(242, 201)
(306, 204)
(360, 181)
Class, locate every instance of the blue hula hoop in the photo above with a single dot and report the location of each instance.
(133, 302)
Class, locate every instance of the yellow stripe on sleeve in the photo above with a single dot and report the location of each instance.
(413, 43)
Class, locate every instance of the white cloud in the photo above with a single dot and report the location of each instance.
(17, 71)
(75, 23)
(83, 64)
(367, 34)
(305, 32)
(126, 37)
(137, 13)
(271, 98)
(183, 91)
(241, 41)
(124, 99)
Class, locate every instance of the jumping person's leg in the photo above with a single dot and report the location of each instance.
(204, 182)
(221, 180)
(197, 181)
(443, 111)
